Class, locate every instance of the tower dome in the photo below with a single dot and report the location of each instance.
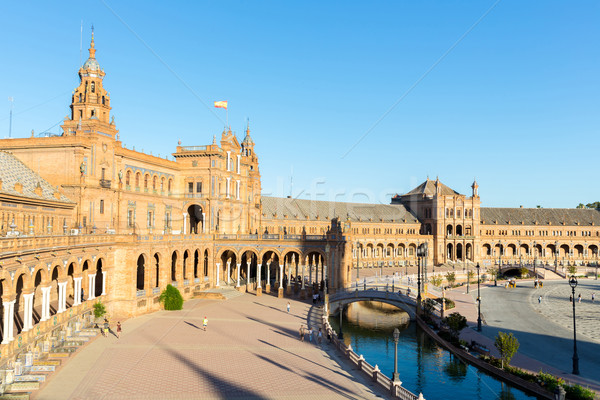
(91, 64)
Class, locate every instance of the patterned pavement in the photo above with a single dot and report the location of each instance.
(250, 351)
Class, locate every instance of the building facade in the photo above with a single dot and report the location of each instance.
(115, 224)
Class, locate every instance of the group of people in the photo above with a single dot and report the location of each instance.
(303, 332)
(579, 298)
(106, 328)
(538, 283)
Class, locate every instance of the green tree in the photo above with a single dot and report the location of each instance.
(580, 205)
(450, 277)
(524, 272)
(171, 298)
(595, 204)
(507, 345)
(572, 269)
(99, 310)
(436, 280)
(470, 276)
(456, 323)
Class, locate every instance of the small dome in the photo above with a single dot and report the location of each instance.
(91, 64)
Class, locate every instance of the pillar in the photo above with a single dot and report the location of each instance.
(303, 289)
(228, 271)
(288, 290)
(203, 222)
(238, 275)
(280, 291)
(9, 318)
(27, 311)
(62, 297)
(258, 278)
(91, 282)
(183, 232)
(268, 286)
(103, 283)
(77, 291)
(247, 275)
(46, 303)
(218, 268)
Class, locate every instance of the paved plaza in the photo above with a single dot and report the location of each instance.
(544, 330)
(250, 351)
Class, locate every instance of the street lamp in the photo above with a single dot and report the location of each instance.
(395, 376)
(341, 335)
(573, 284)
(467, 278)
(478, 302)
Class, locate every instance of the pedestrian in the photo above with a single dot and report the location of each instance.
(570, 298)
(288, 306)
(118, 330)
(320, 336)
(310, 334)
(106, 327)
(579, 298)
(82, 296)
(205, 323)
(301, 333)
(540, 300)
(593, 297)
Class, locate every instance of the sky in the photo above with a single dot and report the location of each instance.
(346, 100)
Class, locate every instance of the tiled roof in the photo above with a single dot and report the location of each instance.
(12, 170)
(428, 188)
(299, 209)
(529, 216)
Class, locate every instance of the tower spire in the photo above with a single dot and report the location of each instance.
(92, 48)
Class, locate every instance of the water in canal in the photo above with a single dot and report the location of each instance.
(423, 366)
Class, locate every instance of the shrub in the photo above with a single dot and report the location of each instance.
(171, 298)
(577, 392)
(99, 310)
(449, 303)
(572, 269)
(450, 277)
(524, 272)
(436, 280)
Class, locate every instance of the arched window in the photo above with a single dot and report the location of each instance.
(145, 181)
(103, 101)
(162, 184)
(80, 97)
(170, 185)
(154, 183)
(93, 87)
(137, 180)
(128, 178)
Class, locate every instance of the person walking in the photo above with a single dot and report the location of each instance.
(540, 300)
(570, 298)
(118, 330)
(205, 323)
(288, 306)
(310, 334)
(579, 298)
(106, 327)
(593, 297)
(301, 333)
(320, 337)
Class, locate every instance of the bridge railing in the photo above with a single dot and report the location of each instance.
(395, 388)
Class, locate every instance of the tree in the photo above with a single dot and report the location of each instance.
(572, 269)
(171, 298)
(99, 310)
(595, 204)
(580, 205)
(524, 272)
(456, 323)
(436, 280)
(450, 277)
(507, 345)
(470, 276)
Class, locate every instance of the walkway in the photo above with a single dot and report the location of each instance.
(250, 351)
(544, 345)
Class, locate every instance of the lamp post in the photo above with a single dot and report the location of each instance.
(467, 278)
(395, 375)
(358, 247)
(573, 284)
(478, 302)
(327, 249)
(419, 257)
(341, 335)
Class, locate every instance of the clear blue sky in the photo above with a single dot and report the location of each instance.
(515, 103)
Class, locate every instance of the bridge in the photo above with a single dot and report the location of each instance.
(538, 271)
(380, 293)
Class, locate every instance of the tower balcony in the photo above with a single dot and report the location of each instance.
(105, 183)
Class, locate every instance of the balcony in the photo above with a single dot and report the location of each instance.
(105, 183)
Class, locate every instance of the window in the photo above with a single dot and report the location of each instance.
(154, 183)
(84, 221)
(101, 206)
(162, 184)
(92, 113)
(170, 184)
(137, 180)
(145, 181)
(103, 101)
(80, 97)
(190, 187)
(130, 218)
(93, 87)
(128, 178)
(198, 187)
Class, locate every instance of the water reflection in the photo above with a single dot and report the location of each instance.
(423, 366)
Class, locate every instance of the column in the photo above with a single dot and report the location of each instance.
(77, 291)
(227, 187)
(92, 280)
(9, 317)
(238, 275)
(203, 222)
(103, 284)
(268, 285)
(218, 268)
(288, 290)
(62, 297)
(303, 289)
(247, 275)
(27, 311)
(258, 278)
(184, 231)
(280, 291)
(228, 271)
(46, 303)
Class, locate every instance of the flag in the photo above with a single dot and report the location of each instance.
(221, 104)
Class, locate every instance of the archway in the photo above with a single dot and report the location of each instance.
(449, 252)
(449, 230)
(196, 256)
(99, 278)
(228, 258)
(459, 230)
(196, 219)
(140, 273)
(205, 262)
(156, 269)
(174, 267)
(459, 252)
(186, 255)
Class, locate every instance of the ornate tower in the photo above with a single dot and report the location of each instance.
(90, 103)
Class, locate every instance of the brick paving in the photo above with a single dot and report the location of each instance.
(250, 351)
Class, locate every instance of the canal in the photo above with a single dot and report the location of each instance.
(423, 366)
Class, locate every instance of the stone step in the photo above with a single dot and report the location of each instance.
(88, 332)
(14, 396)
(17, 387)
(59, 355)
(81, 339)
(47, 362)
(30, 378)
